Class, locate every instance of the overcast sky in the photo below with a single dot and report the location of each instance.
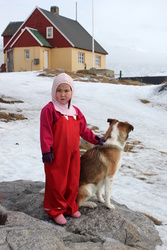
(131, 31)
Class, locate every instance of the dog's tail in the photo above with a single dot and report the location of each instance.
(82, 196)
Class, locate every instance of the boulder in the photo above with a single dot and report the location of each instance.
(28, 227)
(3, 215)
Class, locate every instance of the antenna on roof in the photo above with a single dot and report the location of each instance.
(76, 11)
(92, 33)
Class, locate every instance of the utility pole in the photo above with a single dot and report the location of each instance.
(76, 11)
(92, 33)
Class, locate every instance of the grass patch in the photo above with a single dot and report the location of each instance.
(156, 222)
(129, 147)
(8, 117)
(144, 101)
(129, 82)
(9, 100)
(77, 76)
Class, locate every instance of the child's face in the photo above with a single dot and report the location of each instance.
(63, 93)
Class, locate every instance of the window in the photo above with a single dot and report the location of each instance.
(98, 61)
(81, 57)
(49, 32)
(27, 54)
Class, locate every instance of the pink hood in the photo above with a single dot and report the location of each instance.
(63, 109)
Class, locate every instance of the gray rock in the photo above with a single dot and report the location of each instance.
(3, 215)
(28, 227)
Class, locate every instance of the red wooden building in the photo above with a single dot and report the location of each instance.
(47, 40)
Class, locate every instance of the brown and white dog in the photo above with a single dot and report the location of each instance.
(100, 164)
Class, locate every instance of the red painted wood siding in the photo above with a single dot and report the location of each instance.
(26, 40)
(38, 21)
(6, 39)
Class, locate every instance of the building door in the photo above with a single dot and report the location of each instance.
(45, 59)
(10, 63)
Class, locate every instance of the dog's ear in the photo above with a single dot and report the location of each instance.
(110, 120)
(128, 126)
(131, 128)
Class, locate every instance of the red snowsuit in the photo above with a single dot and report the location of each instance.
(62, 175)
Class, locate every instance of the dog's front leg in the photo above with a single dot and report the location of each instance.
(99, 192)
(108, 186)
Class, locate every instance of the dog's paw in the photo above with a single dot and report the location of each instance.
(89, 204)
(100, 199)
(110, 206)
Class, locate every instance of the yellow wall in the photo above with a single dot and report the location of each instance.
(22, 64)
(67, 59)
(62, 58)
(88, 60)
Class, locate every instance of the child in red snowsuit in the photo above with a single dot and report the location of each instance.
(61, 125)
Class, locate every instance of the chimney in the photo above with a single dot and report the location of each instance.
(54, 9)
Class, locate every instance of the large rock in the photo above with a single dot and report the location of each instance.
(28, 227)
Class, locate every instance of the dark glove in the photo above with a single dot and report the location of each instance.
(48, 157)
(100, 140)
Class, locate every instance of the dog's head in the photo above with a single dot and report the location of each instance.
(117, 132)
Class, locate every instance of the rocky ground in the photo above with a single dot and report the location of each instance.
(28, 227)
(85, 76)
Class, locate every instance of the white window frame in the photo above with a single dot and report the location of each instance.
(98, 61)
(81, 57)
(49, 32)
(27, 54)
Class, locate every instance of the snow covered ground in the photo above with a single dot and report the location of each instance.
(133, 70)
(140, 184)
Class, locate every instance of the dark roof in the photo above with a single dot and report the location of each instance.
(73, 31)
(11, 28)
(40, 38)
